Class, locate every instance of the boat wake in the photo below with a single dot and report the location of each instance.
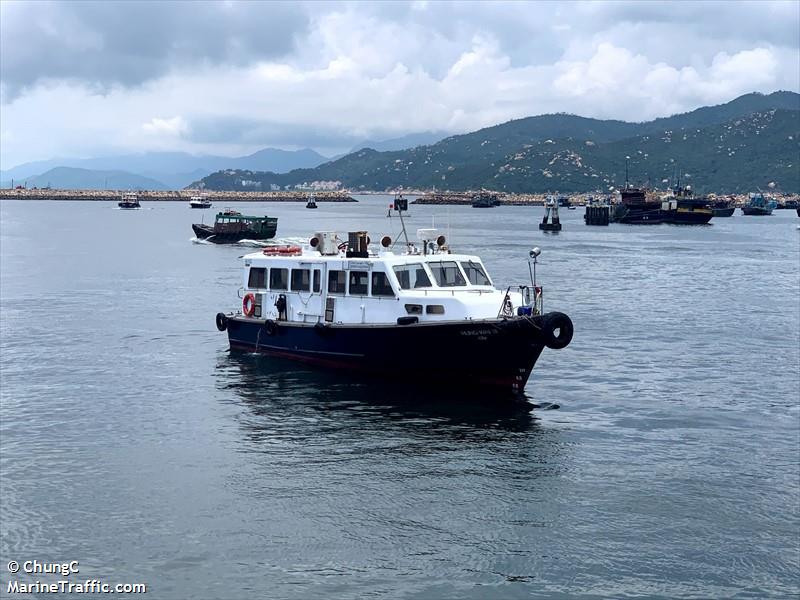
(196, 240)
(253, 243)
(288, 241)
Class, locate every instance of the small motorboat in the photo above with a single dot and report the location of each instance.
(129, 200)
(311, 202)
(199, 201)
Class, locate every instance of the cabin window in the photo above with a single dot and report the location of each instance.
(381, 285)
(412, 276)
(336, 282)
(301, 280)
(258, 278)
(434, 309)
(317, 277)
(414, 309)
(359, 283)
(447, 274)
(279, 279)
(475, 273)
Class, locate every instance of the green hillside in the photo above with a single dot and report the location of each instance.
(726, 148)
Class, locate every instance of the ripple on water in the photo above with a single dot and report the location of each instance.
(131, 440)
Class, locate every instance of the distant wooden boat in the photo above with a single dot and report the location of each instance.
(231, 227)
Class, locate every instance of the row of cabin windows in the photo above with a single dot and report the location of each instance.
(431, 309)
(302, 279)
(410, 276)
(445, 273)
(305, 280)
(358, 283)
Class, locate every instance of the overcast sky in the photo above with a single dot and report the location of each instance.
(80, 79)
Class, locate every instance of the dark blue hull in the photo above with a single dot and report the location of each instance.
(724, 212)
(497, 354)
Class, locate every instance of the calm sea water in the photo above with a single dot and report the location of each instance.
(133, 442)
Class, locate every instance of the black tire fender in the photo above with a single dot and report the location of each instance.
(557, 322)
(271, 327)
(222, 321)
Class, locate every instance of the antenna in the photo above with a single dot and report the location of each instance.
(400, 204)
(448, 224)
(627, 158)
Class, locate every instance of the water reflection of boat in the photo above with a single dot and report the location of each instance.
(263, 382)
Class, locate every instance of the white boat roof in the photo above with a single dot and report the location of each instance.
(385, 256)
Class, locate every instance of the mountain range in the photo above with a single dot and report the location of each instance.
(169, 170)
(176, 170)
(742, 145)
(71, 178)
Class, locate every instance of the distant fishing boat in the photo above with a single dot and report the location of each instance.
(129, 200)
(311, 202)
(484, 199)
(679, 207)
(684, 208)
(759, 205)
(635, 208)
(723, 208)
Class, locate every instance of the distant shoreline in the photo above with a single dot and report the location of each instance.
(425, 198)
(171, 196)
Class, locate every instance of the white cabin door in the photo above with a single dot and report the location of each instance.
(313, 309)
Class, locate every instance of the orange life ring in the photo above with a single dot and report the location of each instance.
(283, 250)
(249, 304)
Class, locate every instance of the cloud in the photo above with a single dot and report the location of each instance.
(230, 78)
(103, 44)
(173, 127)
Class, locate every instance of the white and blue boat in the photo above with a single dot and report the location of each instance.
(759, 205)
(425, 315)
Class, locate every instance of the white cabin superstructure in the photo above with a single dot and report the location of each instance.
(379, 288)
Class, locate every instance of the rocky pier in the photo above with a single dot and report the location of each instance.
(172, 196)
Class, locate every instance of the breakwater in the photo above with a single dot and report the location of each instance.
(503, 199)
(173, 196)
(581, 199)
